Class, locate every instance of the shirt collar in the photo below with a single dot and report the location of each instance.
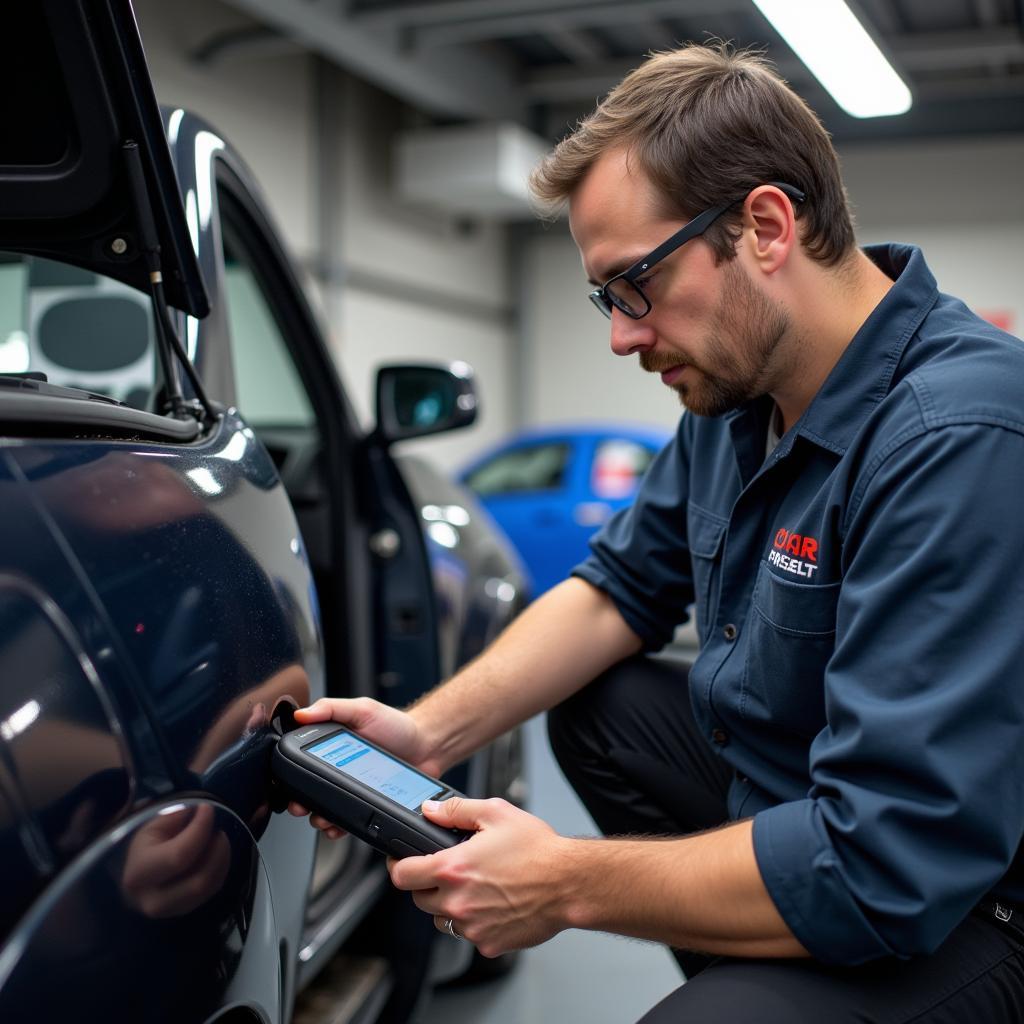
(863, 375)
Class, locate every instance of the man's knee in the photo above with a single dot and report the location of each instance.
(759, 992)
(580, 722)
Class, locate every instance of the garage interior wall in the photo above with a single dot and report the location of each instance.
(393, 283)
(412, 283)
(399, 283)
(959, 199)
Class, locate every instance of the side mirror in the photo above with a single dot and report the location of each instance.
(413, 401)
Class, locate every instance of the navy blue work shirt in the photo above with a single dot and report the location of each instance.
(860, 602)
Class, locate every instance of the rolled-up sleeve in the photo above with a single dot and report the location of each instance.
(641, 557)
(916, 808)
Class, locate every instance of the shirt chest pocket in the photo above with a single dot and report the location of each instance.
(705, 533)
(790, 638)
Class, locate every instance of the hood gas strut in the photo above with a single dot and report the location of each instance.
(168, 343)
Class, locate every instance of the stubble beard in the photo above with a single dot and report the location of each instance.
(747, 330)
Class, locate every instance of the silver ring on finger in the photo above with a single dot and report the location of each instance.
(449, 928)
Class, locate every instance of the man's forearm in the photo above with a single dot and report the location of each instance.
(557, 645)
(701, 892)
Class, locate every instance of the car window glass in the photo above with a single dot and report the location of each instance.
(81, 329)
(269, 390)
(538, 467)
(618, 466)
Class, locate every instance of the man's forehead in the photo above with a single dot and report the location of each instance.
(614, 186)
(613, 211)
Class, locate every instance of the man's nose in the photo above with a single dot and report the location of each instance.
(629, 335)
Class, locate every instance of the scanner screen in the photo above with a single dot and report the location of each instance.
(375, 769)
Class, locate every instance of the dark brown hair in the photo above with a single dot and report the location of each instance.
(707, 123)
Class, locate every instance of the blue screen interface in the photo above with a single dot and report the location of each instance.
(375, 769)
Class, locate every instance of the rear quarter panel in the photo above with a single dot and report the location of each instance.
(119, 938)
(182, 577)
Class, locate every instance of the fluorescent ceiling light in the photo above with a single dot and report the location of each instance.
(828, 38)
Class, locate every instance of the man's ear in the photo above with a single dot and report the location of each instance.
(770, 225)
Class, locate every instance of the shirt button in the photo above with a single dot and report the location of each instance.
(730, 632)
(719, 736)
(740, 777)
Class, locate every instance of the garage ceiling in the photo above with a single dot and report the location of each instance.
(545, 62)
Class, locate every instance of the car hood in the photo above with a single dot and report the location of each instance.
(76, 90)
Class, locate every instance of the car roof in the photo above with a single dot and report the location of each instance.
(589, 430)
(597, 428)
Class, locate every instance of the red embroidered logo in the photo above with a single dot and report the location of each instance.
(801, 553)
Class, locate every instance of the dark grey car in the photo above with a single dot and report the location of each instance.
(195, 536)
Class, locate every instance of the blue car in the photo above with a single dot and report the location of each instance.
(551, 488)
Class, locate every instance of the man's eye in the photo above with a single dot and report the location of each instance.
(643, 283)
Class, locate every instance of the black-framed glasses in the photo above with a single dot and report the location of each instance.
(622, 290)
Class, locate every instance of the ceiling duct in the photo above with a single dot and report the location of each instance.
(472, 170)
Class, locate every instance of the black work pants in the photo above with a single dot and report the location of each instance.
(630, 747)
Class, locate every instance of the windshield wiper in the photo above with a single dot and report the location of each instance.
(37, 383)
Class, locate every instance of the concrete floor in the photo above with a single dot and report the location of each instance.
(578, 977)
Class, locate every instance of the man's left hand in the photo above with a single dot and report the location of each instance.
(505, 888)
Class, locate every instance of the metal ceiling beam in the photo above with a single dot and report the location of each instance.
(414, 13)
(252, 42)
(976, 87)
(938, 51)
(451, 82)
(987, 12)
(585, 82)
(597, 13)
(880, 16)
(932, 52)
(567, 85)
(659, 34)
(576, 45)
(914, 50)
(940, 117)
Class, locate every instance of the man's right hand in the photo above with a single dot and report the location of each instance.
(394, 730)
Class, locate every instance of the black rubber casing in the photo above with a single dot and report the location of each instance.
(383, 823)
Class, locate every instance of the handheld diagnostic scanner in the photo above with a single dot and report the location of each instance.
(363, 789)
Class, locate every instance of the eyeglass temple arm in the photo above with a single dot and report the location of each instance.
(791, 190)
(698, 226)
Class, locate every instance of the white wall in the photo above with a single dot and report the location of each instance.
(414, 284)
(961, 200)
(262, 104)
(396, 283)
(397, 332)
(570, 370)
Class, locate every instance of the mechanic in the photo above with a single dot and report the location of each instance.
(824, 820)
